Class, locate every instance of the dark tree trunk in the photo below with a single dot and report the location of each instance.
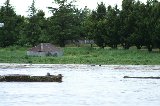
(91, 45)
(114, 47)
(62, 44)
(138, 46)
(150, 47)
(126, 46)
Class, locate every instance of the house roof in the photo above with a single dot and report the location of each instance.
(44, 47)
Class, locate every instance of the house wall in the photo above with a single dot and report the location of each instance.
(56, 53)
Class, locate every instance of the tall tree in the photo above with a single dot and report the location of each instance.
(127, 20)
(43, 24)
(8, 17)
(20, 30)
(64, 22)
(113, 37)
(156, 19)
(149, 24)
(87, 25)
(32, 9)
(99, 19)
(137, 38)
(36, 28)
(32, 28)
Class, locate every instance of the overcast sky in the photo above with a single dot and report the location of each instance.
(21, 6)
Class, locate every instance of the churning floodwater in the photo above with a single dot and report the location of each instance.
(83, 85)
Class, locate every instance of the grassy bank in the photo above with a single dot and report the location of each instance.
(84, 55)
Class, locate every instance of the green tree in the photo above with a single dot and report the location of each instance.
(83, 15)
(36, 28)
(127, 20)
(149, 24)
(8, 17)
(32, 28)
(87, 25)
(113, 37)
(99, 26)
(64, 24)
(20, 30)
(156, 19)
(32, 9)
(43, 24)
(137, 37)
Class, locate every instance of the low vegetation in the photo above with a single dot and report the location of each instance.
(84, 55)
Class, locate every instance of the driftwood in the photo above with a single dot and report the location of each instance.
(142, 77)
(28, 78)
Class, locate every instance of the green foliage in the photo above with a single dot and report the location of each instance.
(8, 17)
(87, 25)
(112, 27)
(99, 18)
(136, 24)
(36, 27)
(32, 9)
(64, 23)
(127, 20)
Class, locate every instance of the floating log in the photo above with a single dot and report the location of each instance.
(28, 78)
(142, 77)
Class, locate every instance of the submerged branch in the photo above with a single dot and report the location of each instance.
(142, 77)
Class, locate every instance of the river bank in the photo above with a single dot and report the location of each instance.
(83, 55)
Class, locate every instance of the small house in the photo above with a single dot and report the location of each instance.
(45, 49)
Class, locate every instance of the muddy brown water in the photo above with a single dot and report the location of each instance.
(83, 85)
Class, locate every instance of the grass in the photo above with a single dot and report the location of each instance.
(83, 55)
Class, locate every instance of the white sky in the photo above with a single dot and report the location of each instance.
(21, 6)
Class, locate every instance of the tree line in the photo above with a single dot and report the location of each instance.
(135, 24)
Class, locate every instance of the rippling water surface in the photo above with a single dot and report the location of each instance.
(83, 85)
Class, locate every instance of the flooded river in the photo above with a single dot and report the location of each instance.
(83, 85)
